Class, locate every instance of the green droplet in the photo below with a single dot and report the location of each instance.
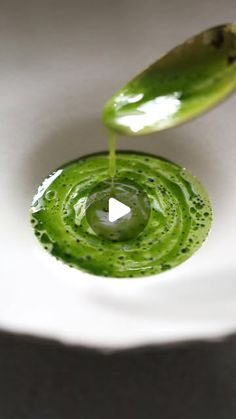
(50, 195)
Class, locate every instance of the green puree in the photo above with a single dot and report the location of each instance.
(170, 213)
(172, 205)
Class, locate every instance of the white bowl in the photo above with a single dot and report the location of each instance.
(58, 67)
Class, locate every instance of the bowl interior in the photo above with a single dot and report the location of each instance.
(58, 69)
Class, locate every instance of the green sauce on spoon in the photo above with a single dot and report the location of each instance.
(182, 84)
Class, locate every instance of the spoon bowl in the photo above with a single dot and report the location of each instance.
(188, 80)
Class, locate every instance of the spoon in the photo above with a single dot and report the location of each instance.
(187, 81)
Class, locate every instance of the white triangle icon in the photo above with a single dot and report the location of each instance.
(117, 210)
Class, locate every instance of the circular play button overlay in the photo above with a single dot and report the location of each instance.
(117, 209)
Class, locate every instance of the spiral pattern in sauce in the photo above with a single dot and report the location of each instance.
(179, 219)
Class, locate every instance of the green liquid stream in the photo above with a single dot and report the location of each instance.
(112, 154)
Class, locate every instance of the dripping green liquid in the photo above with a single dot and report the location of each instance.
(171, 212)
(112, 154)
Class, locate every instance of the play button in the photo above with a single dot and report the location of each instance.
(117, 210)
